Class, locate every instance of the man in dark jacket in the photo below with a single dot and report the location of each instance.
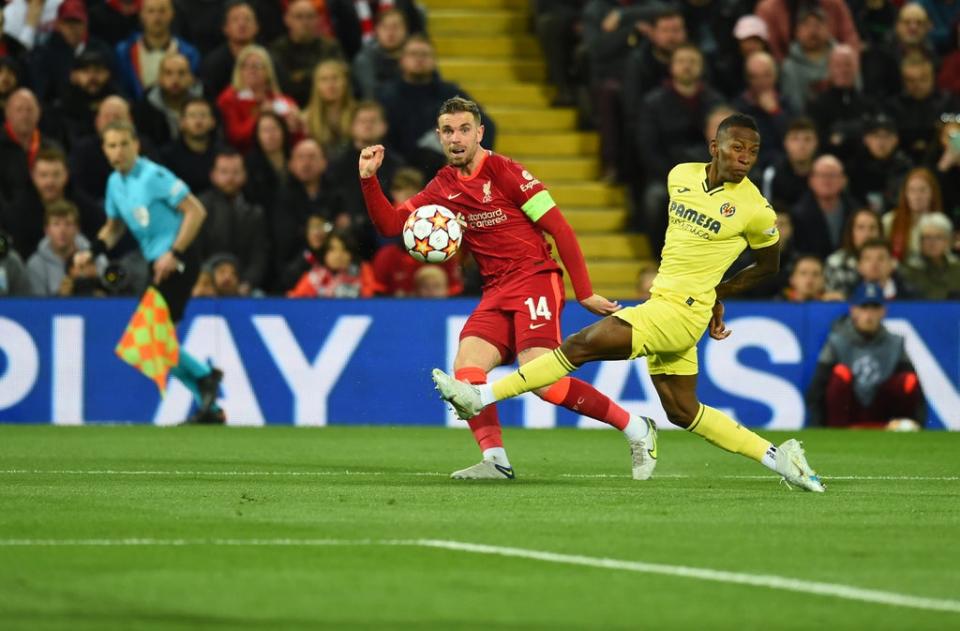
(864, 377)
(878, 167)
(191, 155)
(234, 225)
(412, 103)
(301, 49)
(822, 212)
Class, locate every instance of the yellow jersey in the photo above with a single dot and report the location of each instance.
(708, 229)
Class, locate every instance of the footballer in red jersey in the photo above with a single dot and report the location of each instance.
(506, 210)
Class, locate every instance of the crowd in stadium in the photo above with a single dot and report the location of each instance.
(262, 106)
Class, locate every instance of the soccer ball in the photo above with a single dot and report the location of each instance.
(432, 234)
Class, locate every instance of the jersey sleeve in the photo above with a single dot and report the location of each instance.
(430, 194)
(761, 231)
(109, 202)
(524, 190)
(167, 187)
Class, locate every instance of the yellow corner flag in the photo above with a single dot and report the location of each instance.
(149, 342)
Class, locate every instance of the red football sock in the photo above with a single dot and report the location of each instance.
(581, 397)
(486, 425)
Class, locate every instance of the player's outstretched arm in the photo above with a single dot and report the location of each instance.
(386, 219)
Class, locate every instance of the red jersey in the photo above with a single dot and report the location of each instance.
(500, 203)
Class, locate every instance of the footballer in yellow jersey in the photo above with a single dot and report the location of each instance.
(714, 213)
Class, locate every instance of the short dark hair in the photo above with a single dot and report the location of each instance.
(802, 123)
(194, 100)
(51, 154)
(121, 125)
(873, 244)
(61, 208)
(459, 104)
(407, 177)
(686, 46)
(806, 257)
(230, 5)
(737, 120)
(668, 11)
(226, 151)
(367, 104)
(418, 37)
(381, 15)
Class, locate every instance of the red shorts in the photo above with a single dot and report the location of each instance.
(522, 315)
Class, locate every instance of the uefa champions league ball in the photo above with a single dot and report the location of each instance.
(432, 234)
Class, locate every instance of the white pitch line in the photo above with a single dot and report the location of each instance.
(834, 590)
(587, 476)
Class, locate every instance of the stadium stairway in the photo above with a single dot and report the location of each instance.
(487, 47)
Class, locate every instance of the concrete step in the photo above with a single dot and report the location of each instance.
(523, 120)
(614, 246)
(489, 46)
(511, 94)
(592, 194)
(588, 220)
(443, 22)
(554, 145)
(552, 170)
(467, 70)
(623, 271)
(519, 6)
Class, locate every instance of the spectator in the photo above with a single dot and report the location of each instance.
(301, 196)
(27, 20)
(240, 28)
(337, 273)
(139, 55)
(646, 66)
(47, 266)
(430, 281)
(881, 63)
(113, 21)
(378, 62)
(314, 234)
(266, 164)
(806, 280)
(864, 377)
(672, 120)
(944, 19)
(944, 160)
(20, 143)
(821, 213)
(91, 81)
(368, 127)
(202, 22)
(191, 155)
(934, 271)
(840, 269)
(412, 102)
(233, 224)
(784, 18)
(157, 115)
(751, 35)
(53, 60)
(14, 280)
(224, 272)
(804, 70)
(330, 107)
(762, 101)
(876, 265)
(839, 109)
(918, 108)
(254, 90)
(302, 48)
(23, 219)
(878, 167)
(874, 20)
(919, 195)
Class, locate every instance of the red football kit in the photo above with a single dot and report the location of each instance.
(506, 210)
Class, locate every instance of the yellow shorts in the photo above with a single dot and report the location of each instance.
(666, 330)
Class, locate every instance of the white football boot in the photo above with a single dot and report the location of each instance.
(644, 452)
(484, 470)
(464, 398)
(793, 466)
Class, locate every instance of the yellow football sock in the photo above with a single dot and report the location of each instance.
(542, 371)
(724, 432)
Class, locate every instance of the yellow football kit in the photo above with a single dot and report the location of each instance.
(707, 231)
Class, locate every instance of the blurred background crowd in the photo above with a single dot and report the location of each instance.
(262, 106)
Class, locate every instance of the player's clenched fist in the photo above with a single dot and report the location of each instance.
(370, 160)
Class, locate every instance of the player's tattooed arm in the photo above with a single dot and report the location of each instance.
(766, 263)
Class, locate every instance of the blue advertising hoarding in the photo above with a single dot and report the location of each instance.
(367, 362)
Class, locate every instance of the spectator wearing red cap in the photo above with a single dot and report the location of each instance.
(53, 60)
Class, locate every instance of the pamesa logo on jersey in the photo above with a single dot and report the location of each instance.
(728, 209)
(694, 216)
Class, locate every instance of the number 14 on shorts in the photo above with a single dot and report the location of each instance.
(538, 308)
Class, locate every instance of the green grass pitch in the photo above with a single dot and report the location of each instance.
(286, 528)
